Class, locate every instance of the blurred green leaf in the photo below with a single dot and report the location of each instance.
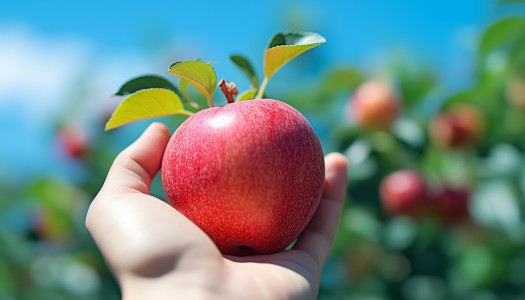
(399, 233)
(285, 46)
(56, 205)
(465, 96)
(244, 65)
(362, 223)
(517, 57)
(410, 132)
(361, 164)
(7, 284)
(145, 82)
(144, 104)
(414, 83)
(504, 160)
(421, 287)
(476, 265)
(501, 33)
(495, 205)
(341, 79)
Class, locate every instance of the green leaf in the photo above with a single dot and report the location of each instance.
(199, 74)
(145, 104)
(184, 89)
(501, 33)
(244, 65)
(247, 95)
(285, 46)
(145, 82)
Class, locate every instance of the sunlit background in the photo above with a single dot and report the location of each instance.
(61, 62)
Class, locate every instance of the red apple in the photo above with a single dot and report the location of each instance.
(250, 174)
(73, 140)
(374, 105)
(404, 193)
(450, 205)
(459, 126)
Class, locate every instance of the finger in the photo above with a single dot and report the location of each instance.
(136, 232)
(319, 235)
(136, 166)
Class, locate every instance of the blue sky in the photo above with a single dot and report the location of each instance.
(356, 31)
(52, 52)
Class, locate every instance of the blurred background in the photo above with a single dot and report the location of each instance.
(426, 99)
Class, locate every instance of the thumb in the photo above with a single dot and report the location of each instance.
(136, 166)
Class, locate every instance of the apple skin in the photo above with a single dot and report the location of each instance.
(450, 205)
(404, 192)
(250, 174)
(460, 126)
(374, 105)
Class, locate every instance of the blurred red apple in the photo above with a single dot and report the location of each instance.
(459, 126)
(450, 205)
(404, 193)
(250, 174)
(73, 140)
(374, 105)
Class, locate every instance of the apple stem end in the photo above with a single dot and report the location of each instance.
(229, 89)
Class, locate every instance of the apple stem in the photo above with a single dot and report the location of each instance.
(260, 93)
(229, 89)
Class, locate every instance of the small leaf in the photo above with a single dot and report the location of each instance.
(145, 82)
(244, 65)
(285, 46)
(145, 104)
(199, 74)
(247, 95)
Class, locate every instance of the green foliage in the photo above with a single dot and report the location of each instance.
(504, 32)
(244, 65)
(199, 74)
(283, 47)
(145, 82)
(145, 104)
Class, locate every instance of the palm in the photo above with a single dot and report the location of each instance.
(143, 238)
(283, 275)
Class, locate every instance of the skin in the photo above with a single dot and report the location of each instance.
(155, 252)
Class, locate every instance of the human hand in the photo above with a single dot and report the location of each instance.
(155, 252)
